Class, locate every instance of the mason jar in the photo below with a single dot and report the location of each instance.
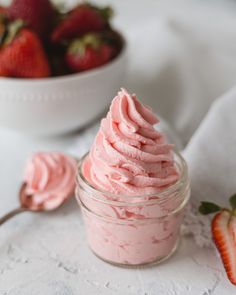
(134, 230)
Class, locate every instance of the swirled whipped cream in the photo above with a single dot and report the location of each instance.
(129, 156)
(49, 179)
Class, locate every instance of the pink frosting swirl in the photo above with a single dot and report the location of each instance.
(129, 156)
(49, 179)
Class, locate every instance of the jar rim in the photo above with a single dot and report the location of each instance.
(183, 170)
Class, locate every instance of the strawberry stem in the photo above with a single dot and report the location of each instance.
(13, 30)
(208, 208)
(233, 212)
(106, 13)
(232, 201)
(78, 46)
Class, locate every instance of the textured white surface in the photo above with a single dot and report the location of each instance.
(48, 254)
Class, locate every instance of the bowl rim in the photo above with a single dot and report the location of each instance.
(75, 76)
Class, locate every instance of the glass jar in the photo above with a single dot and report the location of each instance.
(128, 230)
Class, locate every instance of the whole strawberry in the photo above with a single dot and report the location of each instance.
(37, 14)
(22, 54)
(88, 52)
(82, 19)
(224, 234)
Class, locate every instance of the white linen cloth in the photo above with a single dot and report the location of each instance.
(211, 158)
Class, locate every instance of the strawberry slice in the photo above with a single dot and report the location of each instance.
(232, 226)
(223, 229)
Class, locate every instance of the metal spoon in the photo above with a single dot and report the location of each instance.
(26, 204)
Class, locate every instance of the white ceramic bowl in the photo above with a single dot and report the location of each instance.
(57, 105)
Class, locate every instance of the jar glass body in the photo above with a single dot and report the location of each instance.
(138, 230)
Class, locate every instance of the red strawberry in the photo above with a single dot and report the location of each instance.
(225, 243)
(224, 234)
(38, 15)
(4, 73)
(82, 19)
(22, 54)
(88, 52)
(2, 9)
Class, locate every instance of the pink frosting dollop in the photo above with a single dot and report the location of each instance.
(129, 156)
(49, 179)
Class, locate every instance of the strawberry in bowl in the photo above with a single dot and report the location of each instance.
(57, 34)
(83, 19)
(38, 15)
(56, 65)
(91, 51)
(22, 54)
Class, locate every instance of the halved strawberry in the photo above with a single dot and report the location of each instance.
(225, 243)
(232, 226)
(223, 229)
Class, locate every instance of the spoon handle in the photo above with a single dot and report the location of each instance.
(11, 214)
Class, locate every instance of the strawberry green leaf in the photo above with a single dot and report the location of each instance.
(13, 29)
(232, 201)
(208, 208)
(107, 13)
